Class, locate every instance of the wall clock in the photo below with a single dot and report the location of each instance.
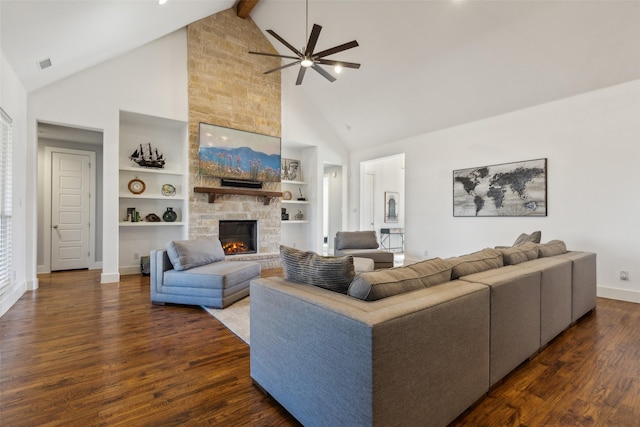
(137, 186)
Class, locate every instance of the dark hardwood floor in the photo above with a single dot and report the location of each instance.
(77, 353)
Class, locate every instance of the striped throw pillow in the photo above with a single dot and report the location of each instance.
(333, 273)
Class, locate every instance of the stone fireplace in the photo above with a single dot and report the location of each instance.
(227, 88)
(238, 236)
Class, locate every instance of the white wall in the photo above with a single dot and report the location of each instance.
(13, 100)
(150, 80)
(592, 145)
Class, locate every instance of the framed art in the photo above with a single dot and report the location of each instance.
(290, 170)
(235, 154)
(507, 189)
(391, 205)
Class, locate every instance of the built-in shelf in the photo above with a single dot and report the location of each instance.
(149, 224)
(212, 192)
(142, 196)
(150, 170)
(296, 202)
(295, 221)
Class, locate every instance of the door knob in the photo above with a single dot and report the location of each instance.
(55, 226)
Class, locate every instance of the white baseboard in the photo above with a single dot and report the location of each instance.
(8, 299)
(619, 294)
(109, 278)
(134, 269)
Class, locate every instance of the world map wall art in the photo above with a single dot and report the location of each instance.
(508, 189)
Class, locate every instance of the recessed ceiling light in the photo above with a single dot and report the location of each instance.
(162, 2)
(45, 63)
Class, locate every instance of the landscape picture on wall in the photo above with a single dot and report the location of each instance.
(238, 155)
(508, 189)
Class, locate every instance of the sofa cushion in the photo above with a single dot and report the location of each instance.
(333, 273)
(475, 262)
(356, 240)
(524, 238)
(521, 253)
(552, 248)
(432, 272)
(375, 285)
(186, 254)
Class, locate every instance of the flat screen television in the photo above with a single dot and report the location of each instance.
(238, 155)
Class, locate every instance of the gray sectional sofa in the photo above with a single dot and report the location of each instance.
(414, 345)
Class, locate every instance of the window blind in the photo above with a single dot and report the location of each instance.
(5, 202)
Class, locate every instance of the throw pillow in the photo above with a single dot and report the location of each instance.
(333, 273)
(524, 238)
(476, 262)
(552, 248)
(521, 253)
(186, 254)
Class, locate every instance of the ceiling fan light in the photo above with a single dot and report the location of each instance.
(306, 62)
(338, 69)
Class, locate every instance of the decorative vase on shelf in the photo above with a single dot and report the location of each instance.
(299, 216)
(169, 215)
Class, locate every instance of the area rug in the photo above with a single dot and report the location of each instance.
(235, 317)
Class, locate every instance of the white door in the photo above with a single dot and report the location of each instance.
(70, 210)
(368, 222)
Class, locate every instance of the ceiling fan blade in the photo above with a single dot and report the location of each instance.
(324, 73)
(281, 68)
(313, 39)
(284, 42)
(340, 63)
(301, 75)
(274, 55)
(336, 49)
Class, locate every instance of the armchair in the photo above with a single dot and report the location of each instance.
(362, 244)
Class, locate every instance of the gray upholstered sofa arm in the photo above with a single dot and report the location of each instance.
(420, 358)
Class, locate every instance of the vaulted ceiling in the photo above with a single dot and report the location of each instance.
(426, 64)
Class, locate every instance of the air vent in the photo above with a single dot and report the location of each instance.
(45, 63)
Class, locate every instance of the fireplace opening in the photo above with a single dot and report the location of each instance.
(238, 237)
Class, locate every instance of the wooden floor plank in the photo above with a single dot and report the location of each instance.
(76, 352)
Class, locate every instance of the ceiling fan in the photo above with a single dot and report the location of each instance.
(307, 58)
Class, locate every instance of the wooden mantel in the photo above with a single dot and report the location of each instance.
(214, 191)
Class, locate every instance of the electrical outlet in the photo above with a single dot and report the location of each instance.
(136, 255)
(624, 275)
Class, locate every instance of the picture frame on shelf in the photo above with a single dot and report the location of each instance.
(290, 170)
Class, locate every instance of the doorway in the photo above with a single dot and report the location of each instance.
(382, 200)
(69, 198)
(332, 212)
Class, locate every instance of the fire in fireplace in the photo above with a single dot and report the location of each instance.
(238, 236)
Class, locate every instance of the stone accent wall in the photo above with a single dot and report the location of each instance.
(227, 87)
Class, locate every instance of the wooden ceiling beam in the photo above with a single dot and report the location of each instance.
(244, 7)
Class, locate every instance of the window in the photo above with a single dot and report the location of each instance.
(5, 201)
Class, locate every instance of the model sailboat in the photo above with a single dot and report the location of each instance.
(148, 157)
